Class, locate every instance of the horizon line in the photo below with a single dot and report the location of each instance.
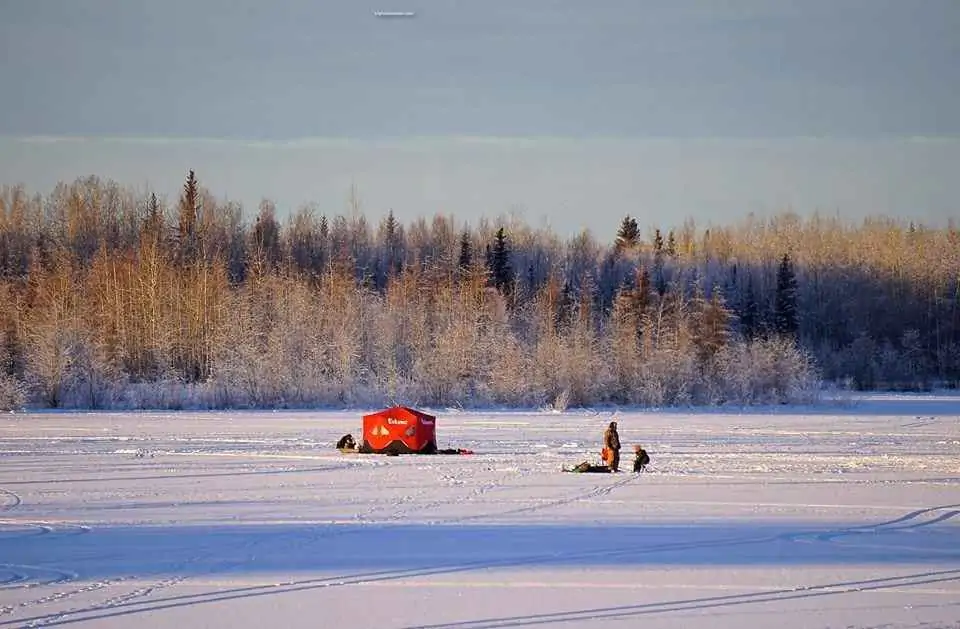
(492, 139)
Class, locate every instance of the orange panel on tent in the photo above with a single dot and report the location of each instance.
(399, 430)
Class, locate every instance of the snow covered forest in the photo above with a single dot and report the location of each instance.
(113, 298)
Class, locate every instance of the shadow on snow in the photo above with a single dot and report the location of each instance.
(926, 536)
(349, 554)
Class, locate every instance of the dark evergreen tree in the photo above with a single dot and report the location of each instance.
(659, 277)
(393, 236)
(465, 259)
(628, 235)
(324, 229)
(785, 318)
(500, 269)
(671, 245)
(712, 323)
(323, 247)
(750, 312)
(610, 281)
(657, 242)
(390, 226)
(642, 298)
(188, 219)
(152, 229)
(565, 307)
(237, 254)
(266, 237)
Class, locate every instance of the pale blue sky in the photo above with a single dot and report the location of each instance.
(575, 111)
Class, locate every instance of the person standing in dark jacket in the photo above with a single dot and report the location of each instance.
(611, 442)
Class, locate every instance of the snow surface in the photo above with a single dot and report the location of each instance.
(838, 516)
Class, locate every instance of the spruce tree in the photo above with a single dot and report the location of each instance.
(750, 312)
(628, 235)
(659, 278)
(500, 268)
(712, 323)
(266, 237)
(152, 229)
(323, 246)
(657, 243)
(465, 259)
(671, 245)
(188, 218)
(392, 236)
(324, 229)
(565, 306)
(785, 319)
(642, 298)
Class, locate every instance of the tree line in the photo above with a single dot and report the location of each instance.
(111, 298)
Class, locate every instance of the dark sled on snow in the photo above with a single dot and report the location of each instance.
(587, 468)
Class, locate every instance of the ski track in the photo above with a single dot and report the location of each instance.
(301, 542)
(27, 577)
(22, 576)
(289, 540)
(712, 602)
(128, 605)
(124, 598)
(128, 602)
(857, 537)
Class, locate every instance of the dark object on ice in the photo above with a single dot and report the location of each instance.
(347, 442)
(641, 460)
(611, 447)
(399, 430)
(587, 468)
(454, 451)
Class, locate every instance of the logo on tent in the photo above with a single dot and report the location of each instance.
(380, 431)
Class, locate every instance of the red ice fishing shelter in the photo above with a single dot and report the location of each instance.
(399, 430)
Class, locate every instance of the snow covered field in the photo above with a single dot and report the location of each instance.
(839, 516)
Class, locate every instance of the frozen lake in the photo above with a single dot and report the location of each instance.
(838, 516)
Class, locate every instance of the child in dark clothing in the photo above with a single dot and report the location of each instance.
(641, 460)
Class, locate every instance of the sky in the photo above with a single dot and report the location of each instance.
(569, 113)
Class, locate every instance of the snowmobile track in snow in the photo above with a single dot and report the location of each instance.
(710, 602)
(380, 578)
(13, 500)
(908, 523)
(25, 577)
